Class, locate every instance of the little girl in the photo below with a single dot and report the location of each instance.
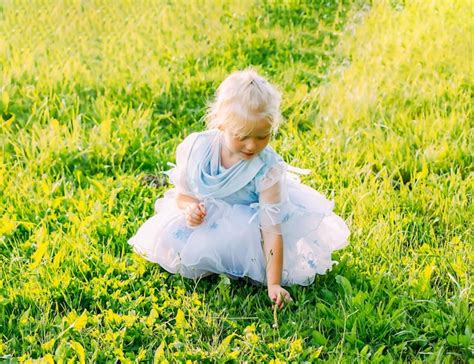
(236, 207)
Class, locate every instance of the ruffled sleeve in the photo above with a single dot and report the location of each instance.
(178, 174)
(272, 198)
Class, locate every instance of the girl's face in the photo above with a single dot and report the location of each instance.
(249, 145)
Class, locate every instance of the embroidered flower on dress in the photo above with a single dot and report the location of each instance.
(182, 233)
(310, 260)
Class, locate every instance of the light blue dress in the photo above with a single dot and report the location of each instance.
(238, 209)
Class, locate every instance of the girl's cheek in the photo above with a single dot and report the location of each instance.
(262, 144)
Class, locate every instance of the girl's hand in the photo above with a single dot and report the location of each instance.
(278, 295)
(195, 213)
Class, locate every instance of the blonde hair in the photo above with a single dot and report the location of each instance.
(243, 99)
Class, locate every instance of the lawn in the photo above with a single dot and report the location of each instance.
(377, 101)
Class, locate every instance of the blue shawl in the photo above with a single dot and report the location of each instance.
(205, 176)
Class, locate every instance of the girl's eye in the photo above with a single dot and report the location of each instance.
(244, 137)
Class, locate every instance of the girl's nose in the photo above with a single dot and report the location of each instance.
(250, 145)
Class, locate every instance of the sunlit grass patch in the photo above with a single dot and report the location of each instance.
(95, 96)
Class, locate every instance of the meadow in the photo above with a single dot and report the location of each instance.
(377, 101)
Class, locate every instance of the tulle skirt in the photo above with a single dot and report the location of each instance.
(229, 240)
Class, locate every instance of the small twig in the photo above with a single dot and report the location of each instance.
(275, 317)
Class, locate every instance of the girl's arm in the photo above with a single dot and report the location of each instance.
(273, 250)
(184, 201)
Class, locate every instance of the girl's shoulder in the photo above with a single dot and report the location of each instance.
(271, 158)
(199, 138)
(273, 171)
(206, 135)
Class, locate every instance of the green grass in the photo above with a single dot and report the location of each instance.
(378, 104)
